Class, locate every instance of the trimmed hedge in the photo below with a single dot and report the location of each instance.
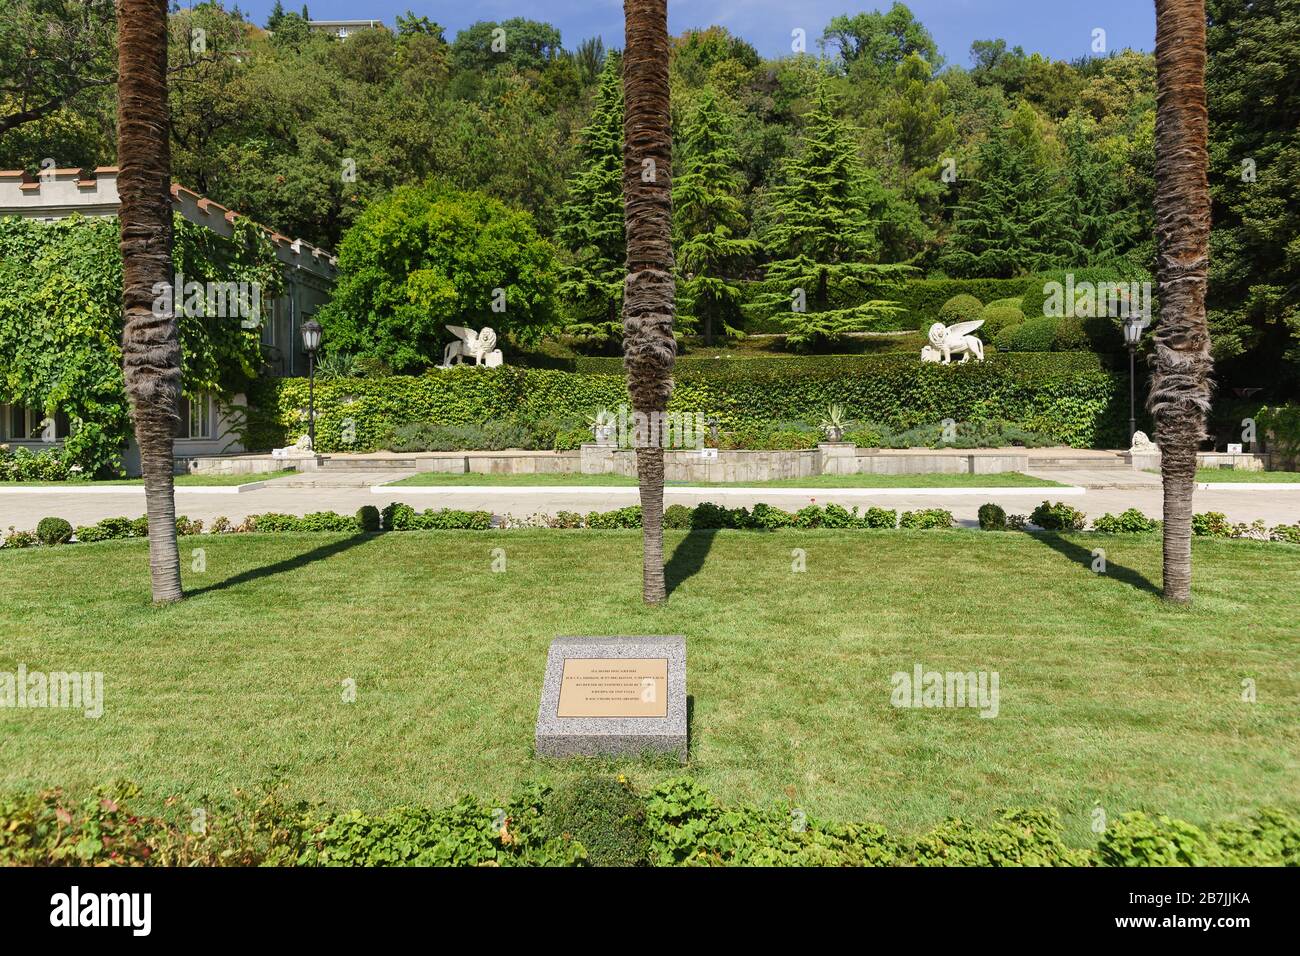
(1075, 399)
(597, 820)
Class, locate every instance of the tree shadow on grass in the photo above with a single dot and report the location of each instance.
(688, 557)
(288, 564)
(1083, 556)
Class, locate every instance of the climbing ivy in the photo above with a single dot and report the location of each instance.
(61, 323)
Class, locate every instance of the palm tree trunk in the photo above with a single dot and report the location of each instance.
(1180, 384)
(648, 297)
(151, 355)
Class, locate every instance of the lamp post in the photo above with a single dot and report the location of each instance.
(1133, 326)
(311, 331)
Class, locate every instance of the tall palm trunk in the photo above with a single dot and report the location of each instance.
(151, 353)
(648, 345)
(1180, 384)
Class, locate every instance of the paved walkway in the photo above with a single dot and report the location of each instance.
(25, 510)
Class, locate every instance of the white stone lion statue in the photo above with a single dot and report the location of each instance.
(949, 340)
(478, 345)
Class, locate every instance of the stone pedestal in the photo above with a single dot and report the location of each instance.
(613, 696)
(598, 459)
(837, 458)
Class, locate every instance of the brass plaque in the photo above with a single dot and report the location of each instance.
(614, 687)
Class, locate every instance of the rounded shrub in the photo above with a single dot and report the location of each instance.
(998, 317)
(1058, 517)
(1034, 335)
(1004, 341)
(1069, 336)
(677, 517)
(605, 816)
(368, 518)
(960, 308)
(992, 518)
(53, 531)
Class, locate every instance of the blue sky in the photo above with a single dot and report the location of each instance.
(1061, 29)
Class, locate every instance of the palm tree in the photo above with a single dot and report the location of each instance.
(648, 345)
(151, 355)
(1180, 383)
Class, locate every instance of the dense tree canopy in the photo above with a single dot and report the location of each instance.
(1005, 163)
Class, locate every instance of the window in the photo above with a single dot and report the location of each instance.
(28, 424)
(196, 417)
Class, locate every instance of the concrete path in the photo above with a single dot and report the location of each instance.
(25, 510)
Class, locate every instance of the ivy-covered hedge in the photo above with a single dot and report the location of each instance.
(599, 821)
(1073, 398)
(61, 323)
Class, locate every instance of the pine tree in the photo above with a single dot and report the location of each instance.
(1015, 215)
(823, 237)
(711, 242)
(277, 14)
(591, 222)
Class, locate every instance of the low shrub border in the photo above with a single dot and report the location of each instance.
(704, 516)
(600, 820)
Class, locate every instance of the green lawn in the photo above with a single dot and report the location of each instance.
(182, 481)
(1107, 695)
(1260, 477)
(1005, 479)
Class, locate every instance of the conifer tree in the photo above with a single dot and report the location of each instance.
(1014, 217)
(711, 241)
(591, 222)
(823, 238)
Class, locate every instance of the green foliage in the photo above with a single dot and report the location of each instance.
(400, 517)
(595, 821)
(1131, 521)
(429, 256)
(926, 519)
(1050, 294)
(960, 308)
(1281, 425)
(1035, 334)
(1065, 398)
(48, 464)
(591, 221)
(53, 531)
(368, 519)
(1004, 340)
(822, 234)
(61, 324)
(998, 317)
(1211, 524)
(1058, 517)
(992, 517)
(922, 299)
(711, 245)
(605, 817)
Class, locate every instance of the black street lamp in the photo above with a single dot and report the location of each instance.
(1133, 326)
(311, 331)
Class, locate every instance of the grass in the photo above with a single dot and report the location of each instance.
(1215, 475)
(182, 481)
(1006, 479)
(1108, 696)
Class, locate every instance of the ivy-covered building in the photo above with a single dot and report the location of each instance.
(210, 419)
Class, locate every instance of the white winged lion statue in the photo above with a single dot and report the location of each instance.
(469, 343)
(949, 340)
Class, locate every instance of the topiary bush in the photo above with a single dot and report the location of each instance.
(605, 817)
(992, 518)
(997, 318)
(53, 531)
(677, 518)
(1004, 341)
(960, 308)
(368, 519)
(1035, 334)
(1058, 517)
